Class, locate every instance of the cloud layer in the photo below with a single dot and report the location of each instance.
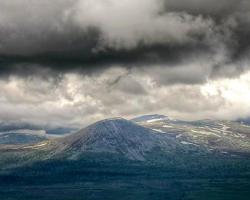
(77, 100)
(90, 34)
(76, 61)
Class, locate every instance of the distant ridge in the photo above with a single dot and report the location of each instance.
(20, 138)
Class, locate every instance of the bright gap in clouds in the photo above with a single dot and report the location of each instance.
(235, 92)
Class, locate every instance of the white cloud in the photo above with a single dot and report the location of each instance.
(77, 100)
(37, 27)
(126, 24)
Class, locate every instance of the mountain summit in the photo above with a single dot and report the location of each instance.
(117, 135)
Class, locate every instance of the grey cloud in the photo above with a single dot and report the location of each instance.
(211, 7)
(75, 101)
(128, 85)
(77, 61)
(69, 35)
(131, 86)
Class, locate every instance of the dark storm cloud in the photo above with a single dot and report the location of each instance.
(221, 12)
(67, 60)
(210, 8)
(69, 35)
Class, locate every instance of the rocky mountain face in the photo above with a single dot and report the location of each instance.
(118, 136)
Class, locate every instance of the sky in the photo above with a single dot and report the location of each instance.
(72, 62)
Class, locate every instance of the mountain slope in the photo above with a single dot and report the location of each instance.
(117, 136)
(20, 138)
(103, 159)
(159, 141)
(226, 137)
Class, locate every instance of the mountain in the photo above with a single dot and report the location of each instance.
(20, 127)
(226, 137)
(245, 121)
(20, 138)
(60, 131)
(122, 159)
(117, 136)
(151, 137)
